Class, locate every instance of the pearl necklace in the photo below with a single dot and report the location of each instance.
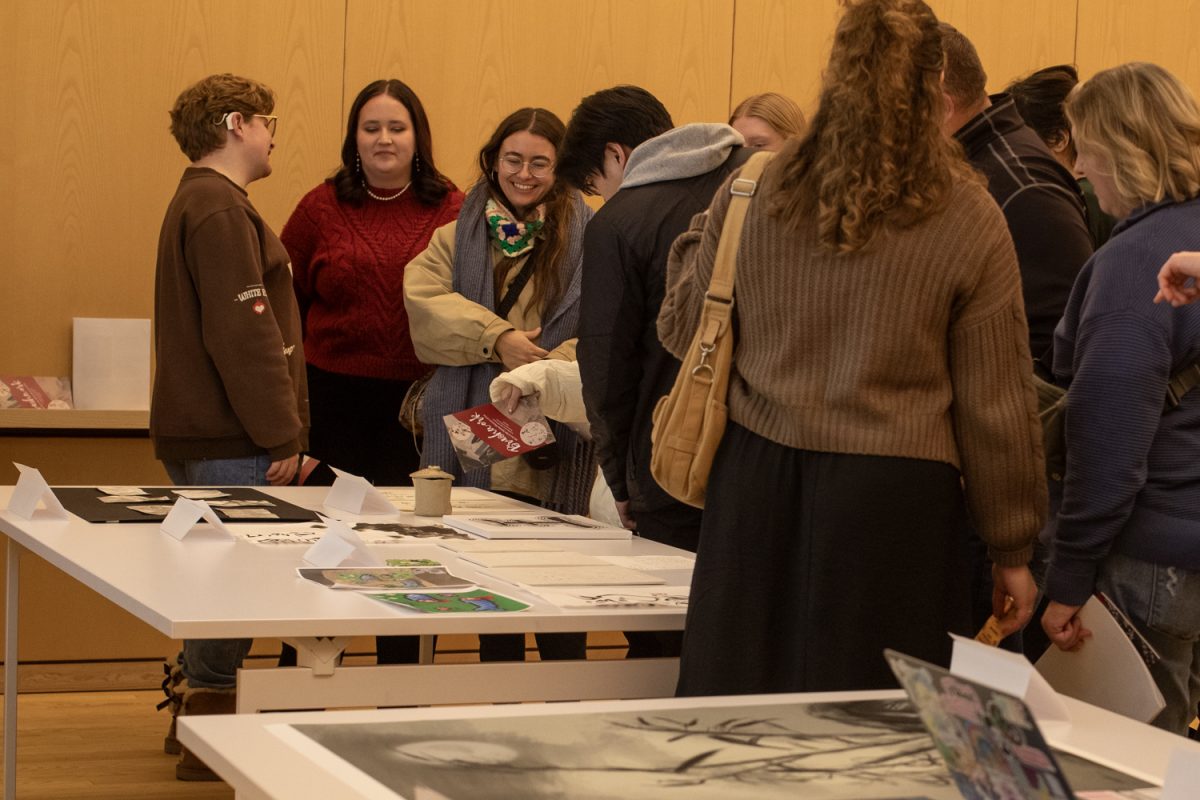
(374, 196)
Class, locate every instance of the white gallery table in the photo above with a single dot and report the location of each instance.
(626, 749)
(205, 587)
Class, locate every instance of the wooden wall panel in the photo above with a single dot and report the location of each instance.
(86, 160)
(549, 54)
(783, 45)
(1014, 37)
(1166, 32)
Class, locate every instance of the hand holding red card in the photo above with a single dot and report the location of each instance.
(484, 434)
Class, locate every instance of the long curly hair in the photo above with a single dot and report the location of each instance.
(874, 155)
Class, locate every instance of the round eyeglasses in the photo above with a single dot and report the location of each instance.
(538, 167)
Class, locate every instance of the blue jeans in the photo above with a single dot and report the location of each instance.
(1164, 604)
(247, 471)
(213, 663)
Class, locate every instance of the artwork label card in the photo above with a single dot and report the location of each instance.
(182, 518)
(31, 490)
(338, 547)
(133, 498)
(356, 495)
(121, 490)
(200, 494)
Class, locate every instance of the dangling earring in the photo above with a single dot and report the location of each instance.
(357, 164)
(416, 162)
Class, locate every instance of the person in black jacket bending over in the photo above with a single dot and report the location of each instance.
(622, 145)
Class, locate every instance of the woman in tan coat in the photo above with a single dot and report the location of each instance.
(494, 290)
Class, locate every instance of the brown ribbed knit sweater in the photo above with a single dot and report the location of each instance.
(915, 346)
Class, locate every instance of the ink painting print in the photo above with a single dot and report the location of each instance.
(866, 750)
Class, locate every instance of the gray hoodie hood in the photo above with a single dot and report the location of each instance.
(683, 152)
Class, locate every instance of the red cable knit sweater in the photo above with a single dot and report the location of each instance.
(348, 270)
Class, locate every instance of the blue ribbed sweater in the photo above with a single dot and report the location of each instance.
(1133, 472)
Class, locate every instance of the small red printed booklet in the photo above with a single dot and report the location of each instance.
(484, 434)
(27, 391)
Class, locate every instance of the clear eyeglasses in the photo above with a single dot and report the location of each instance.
(270, 120)
(538, 167)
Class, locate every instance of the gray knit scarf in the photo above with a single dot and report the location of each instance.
(454, 388)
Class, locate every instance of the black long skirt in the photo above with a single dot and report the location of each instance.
(810, 564)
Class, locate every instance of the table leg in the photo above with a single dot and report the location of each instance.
(12, 594)
(426, 652)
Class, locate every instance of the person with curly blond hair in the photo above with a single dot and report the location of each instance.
(881, 389)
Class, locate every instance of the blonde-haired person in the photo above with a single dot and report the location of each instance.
(881, 388)
(767, 120)
(1177, 279)
(1129, 520)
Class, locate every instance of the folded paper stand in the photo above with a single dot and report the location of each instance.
(32, 490)
(340, 547)
(185, 516)
(356, 495)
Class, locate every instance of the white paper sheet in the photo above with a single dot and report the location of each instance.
(574, 576)
(110, 364)
(1107, 671)
(533, 559)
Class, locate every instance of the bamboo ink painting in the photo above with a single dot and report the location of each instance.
(867, 750)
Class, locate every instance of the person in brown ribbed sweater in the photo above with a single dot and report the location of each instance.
(880, 391)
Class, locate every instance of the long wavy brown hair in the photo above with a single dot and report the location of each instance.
(874, 155)
(547, 256)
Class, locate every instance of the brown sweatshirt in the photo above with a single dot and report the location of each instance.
(915, 346)
(230, 378)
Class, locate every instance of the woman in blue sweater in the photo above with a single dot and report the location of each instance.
(1129, 520)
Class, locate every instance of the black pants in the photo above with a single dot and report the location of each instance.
(551, 646)
(356, 428)
(810, 564)
(677, 526)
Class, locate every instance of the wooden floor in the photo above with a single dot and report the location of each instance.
(99, 745)
(108, 744)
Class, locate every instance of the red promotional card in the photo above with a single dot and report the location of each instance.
(484, 434)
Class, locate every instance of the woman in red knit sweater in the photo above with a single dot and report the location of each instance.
(350, 240)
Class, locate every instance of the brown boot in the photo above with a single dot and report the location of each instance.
(197, 702)
(173, 686)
